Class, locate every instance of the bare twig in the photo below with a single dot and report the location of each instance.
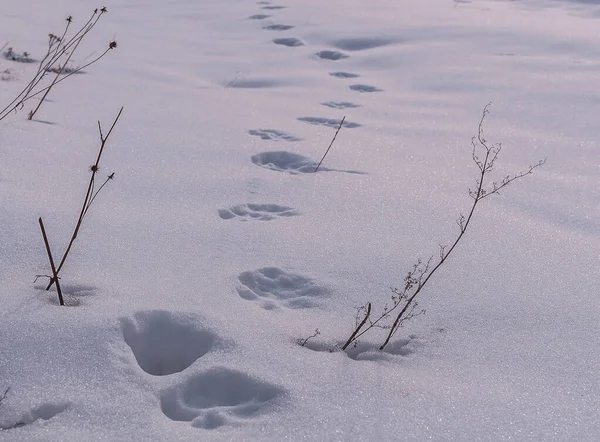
(484, 155)
(5, 394)
(90, 196)
(59, 48)
(303, 342)
(353, 336)
(52, 266)
(330, 144)
(490, 154)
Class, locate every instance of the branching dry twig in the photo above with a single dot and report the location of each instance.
(59, 49)
(484, 155)
(303, 342)
(90, 196)
(4, 395)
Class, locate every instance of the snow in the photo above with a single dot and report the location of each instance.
(216, 247)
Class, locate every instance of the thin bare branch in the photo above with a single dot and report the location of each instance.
(90, 196)
(331, 144)
(52, 266)
(354, 334)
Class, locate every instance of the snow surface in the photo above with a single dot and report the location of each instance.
(215, 248)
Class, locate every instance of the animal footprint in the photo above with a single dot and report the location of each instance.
(273, 7)
(329, 122)
(282, 161)
(259, 17)
(164, 343)
(259, 212)
(331, 55)
(290, 41)
(275, 288)
(340, 104)
(278, 27)
(361, 44)
(364, 88)
(219, 396)
(344, 75)
(274, 135)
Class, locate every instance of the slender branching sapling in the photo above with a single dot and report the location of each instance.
(404, 304)
(90, 196)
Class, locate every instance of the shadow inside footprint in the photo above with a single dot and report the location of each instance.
(276, 288)
(331, 55)
(259, 212)
(213, 398)
(290, 41)
(282, 161)
(278, 27)
(259, 17)
(344, 75)
(329, 122)
(255, 83)
(364, 88)
(164, 343)
(340, 104)
(273, 135)
(361, 44)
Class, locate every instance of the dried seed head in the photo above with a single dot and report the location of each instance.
(112, 45)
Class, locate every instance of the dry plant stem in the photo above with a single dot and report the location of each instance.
(3, 46)
(330, 144)
(89, 195)
(75, 71)
(314, 335)
(57, 49)
(54, 44)
(52, 266)
(425, 271)
(7, 388)
(77, 41)
(353, 336)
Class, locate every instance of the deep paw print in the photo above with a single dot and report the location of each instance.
(220, 396)
(164, 343)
